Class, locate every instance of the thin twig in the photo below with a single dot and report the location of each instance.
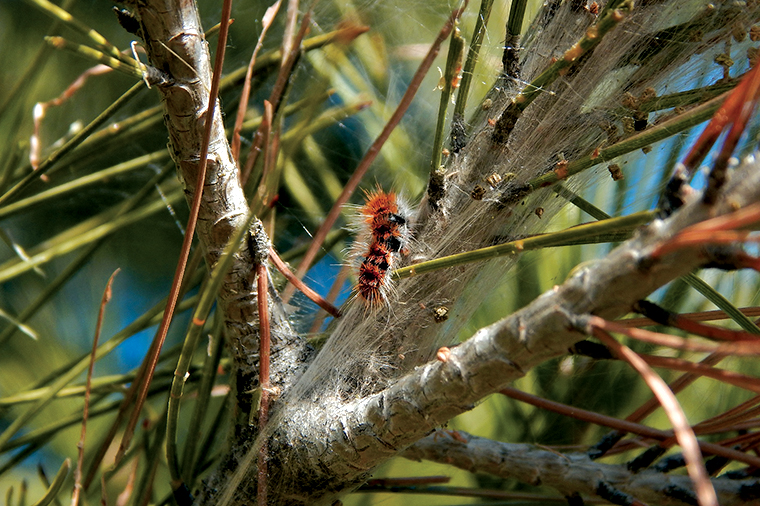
(152, 358)
(676, 386)
(51, 160)
(569, 236)
(591, 39)
(664, 317)
(616, 423)
(126, 494)
(450, 82)
(699, 316)
(266, 22)
(710, 230)
(262, 285)
(750, 346)
(88, 386)
(302, 287)
(208, 375)
(289, 58)
(332, 295)
(683, 431)
(148, 319)
(730, 377)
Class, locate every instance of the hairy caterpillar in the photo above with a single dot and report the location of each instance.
(385, 220)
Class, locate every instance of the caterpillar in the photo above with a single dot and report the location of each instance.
(386, 226)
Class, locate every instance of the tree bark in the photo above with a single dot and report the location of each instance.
(568, 473)
(175, 44)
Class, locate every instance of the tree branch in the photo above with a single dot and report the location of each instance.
(362, 434)
(567, 473)
(175, 44)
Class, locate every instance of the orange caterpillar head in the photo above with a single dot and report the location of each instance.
(382, 216)
(378, 203)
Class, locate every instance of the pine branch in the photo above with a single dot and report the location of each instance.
(568, 473)
(175, 43)
(367, 432)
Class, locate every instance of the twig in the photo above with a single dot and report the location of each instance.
(289, 58)
(723, 303)
(148, 319)
(262, 281)
(88, 386)
(458, 136)
(749, 346)
(730, 377)
(155, 350)
(208, 375)
(450, 82)
(205, 303)
(301, 286)
(711, 230)
(568, 236)
(51, 160)
(683, 431)
(332, 295)
(651, 135)
(62, 15)
(623, 425)
(594, 35)
(129, 487)
(676, 386)
(699, 316)
(108, 62)
(266, 22)
(510, 59)
(567, 473)
(665, 317)
(41, 108)
(153, 458)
